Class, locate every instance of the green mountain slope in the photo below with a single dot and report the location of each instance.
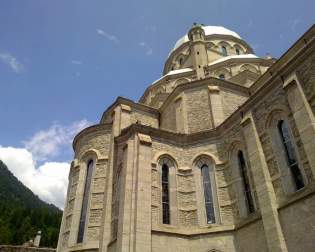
(22, 213)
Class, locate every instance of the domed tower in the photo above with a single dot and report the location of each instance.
(212, 157)
(207, 51)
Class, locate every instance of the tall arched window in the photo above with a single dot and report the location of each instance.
(290, 154)
(237, 51)
(85, 201)
(246, 185)
(224, 51)
(207, 190)
(165, 194)
(168, 190)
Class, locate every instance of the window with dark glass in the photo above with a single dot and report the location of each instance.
(85, 201)
(246, 186)
(224, 51)
(180, 61)
(237, 51)
(165, 194)
(205, 173)
(290, 154)
(222, 76)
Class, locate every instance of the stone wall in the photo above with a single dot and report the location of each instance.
(199, 243)
(298, 222)
(198, 109)
(251, 237)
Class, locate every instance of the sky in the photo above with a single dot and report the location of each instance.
(62, 63)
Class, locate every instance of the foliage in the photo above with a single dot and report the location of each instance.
(22, 213)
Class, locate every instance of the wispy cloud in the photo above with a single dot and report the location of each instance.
(250, 23)
(76, 62)
(148, 49)
(12, 62)
(108, 36)
(46, 144)
(150, 28)
(295, 23)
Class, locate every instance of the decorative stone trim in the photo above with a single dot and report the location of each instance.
(144, 139)
(184, 168)
(125, 108)
(213, 89)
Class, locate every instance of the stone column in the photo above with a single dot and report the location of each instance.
(216, 105)
(142, 221)
(263, 184)
(126, 198)
(303, 117)
(105, 234)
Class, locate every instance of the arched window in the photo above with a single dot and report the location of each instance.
(290, 154)
(224, 51)
(237, 51)
(180, 61)
(246, 185)
(168, 190)
(207, 189)
(222, 76)
(85, 201)
(165, 194)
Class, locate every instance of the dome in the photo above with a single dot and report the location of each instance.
(209, 30)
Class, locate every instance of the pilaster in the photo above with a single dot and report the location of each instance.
(264, 188)
(216, 105)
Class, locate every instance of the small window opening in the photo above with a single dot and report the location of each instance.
(237, 51)
(222, 76)
(224, 51)
(180, 61)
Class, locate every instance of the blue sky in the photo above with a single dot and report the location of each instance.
(63, 62)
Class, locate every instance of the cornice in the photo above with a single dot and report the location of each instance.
(264, 62)
(132, 104)
(282, 64)
(89, 130)
(165, 78)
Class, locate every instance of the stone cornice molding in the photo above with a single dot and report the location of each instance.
(162, 81)
(285, 64)
(124, 101)
(228, 62)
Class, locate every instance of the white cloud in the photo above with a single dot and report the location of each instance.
(295, 23)
(12, 62)
(108, 36)
(76, 62)
(47, 144)
(149, 50)
(49, 181)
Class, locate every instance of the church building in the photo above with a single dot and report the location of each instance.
(218, 155)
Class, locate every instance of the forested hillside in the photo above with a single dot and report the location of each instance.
(22, 213)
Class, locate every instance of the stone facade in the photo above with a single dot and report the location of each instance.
(218, 155)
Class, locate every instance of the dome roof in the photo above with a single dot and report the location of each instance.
(209, 30)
